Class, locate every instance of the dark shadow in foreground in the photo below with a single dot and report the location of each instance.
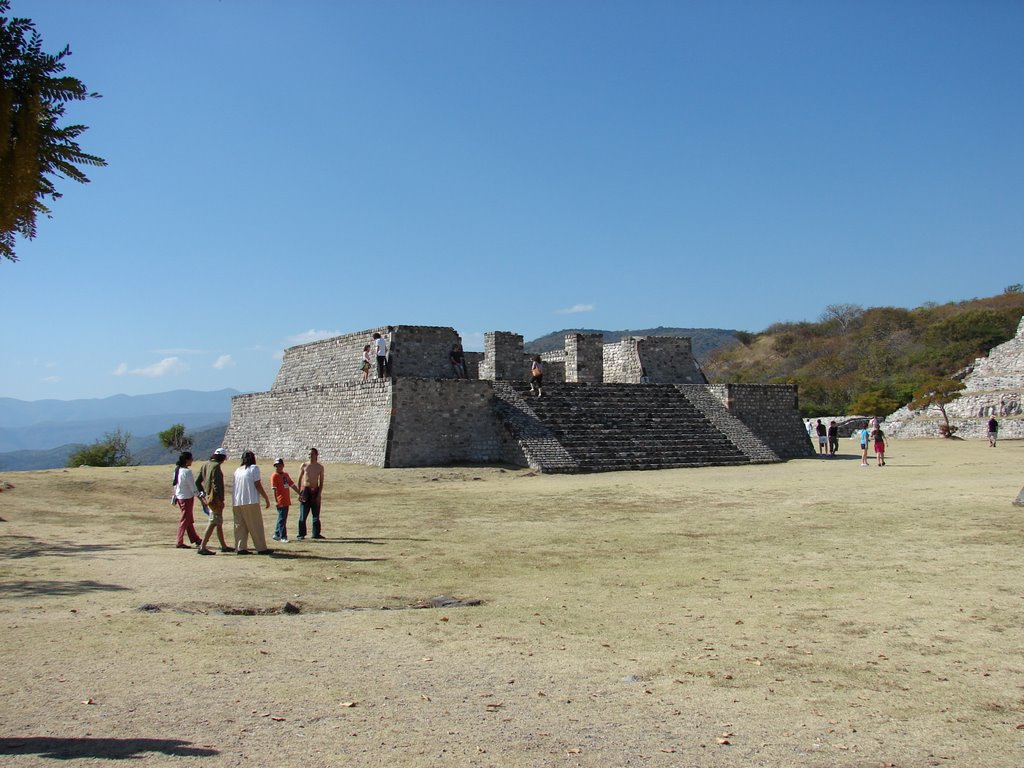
(56, 588)
(109, 749)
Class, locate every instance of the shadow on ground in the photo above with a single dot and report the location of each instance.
(109, 749)
(56, 588)
(21, 547)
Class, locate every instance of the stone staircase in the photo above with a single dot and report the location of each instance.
(608, 427)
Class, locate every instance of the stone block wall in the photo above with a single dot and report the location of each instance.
(554, 366)
(503, 357)
(347, 423)
(584, 358)
(414, 351)
(436, 422)
(665, 360)
(418, 350)
(621, 362)
(770, 411)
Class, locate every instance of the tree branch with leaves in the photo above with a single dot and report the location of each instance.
(34, 147)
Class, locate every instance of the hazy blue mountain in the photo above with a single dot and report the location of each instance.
(145, 450)
(704, 339)
(40, 425)
(21, 413)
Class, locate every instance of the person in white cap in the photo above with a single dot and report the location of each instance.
(211, 482)
(281, 482)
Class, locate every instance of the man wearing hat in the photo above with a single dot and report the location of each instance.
(281, 481)
(211, 482)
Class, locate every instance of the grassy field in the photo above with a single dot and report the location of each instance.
(814, 613)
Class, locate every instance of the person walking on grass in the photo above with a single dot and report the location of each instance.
(865, 435)
(822, 432)
(311, 487)
(833, 438)
(281, 481)
(246, 492)
(211, 482)
(993, 432)
(880, 447)
(185, 493)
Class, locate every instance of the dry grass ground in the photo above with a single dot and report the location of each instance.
(814, 613)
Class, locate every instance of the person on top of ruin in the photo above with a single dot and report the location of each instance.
(381, 350)
(366, 363)
(458, 361)
(311, 487)
(537, 376)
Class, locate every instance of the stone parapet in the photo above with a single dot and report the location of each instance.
(503, 357)
(584, 358)
(346, 423)
(413, 351)
(772, 412)
(661, 359)
(437, 421)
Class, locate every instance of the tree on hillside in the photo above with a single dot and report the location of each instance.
(34, 147)
(175, 439)
(937, 394)
(842, 315)
(111, 451)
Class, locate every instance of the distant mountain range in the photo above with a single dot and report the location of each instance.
(705, 340)
(42, 434)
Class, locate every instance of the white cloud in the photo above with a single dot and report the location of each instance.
(308, 336)
(575, 308)
(166, 367)
(179, 351)
(224, 361)
(51, 379)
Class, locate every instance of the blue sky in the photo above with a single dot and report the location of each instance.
(279, 172)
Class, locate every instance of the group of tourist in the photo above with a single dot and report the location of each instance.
(246, 492)
(828, 437)
(870, 435)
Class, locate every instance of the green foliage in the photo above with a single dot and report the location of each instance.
(34, 147)
(1015, 288)
(872, 360)
(175, 439)
(874, 403)
(111, 451)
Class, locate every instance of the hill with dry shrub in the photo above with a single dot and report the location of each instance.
(857, 360)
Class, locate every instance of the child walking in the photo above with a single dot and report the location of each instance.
(880, 447)
(281, 481)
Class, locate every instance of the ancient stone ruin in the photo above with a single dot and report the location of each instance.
(993, 386)
(641, 403)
